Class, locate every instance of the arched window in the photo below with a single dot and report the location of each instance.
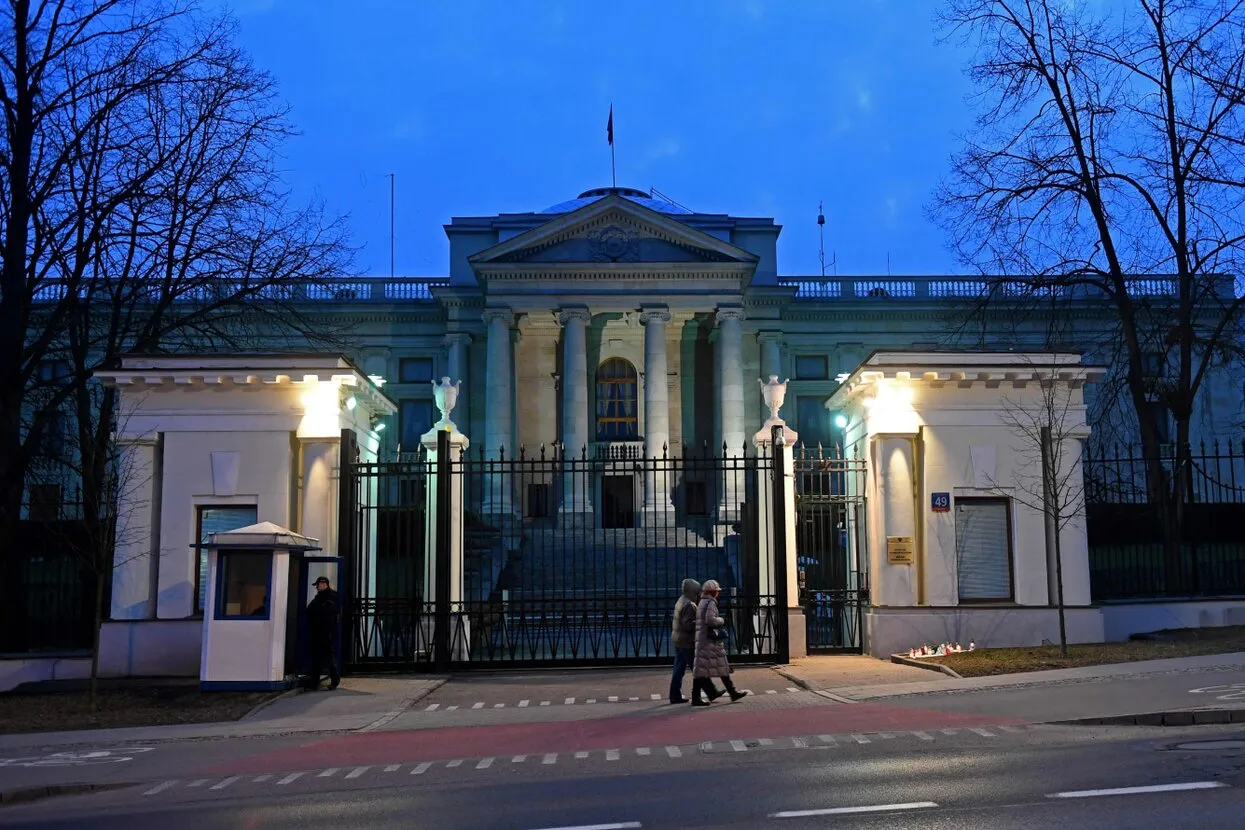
(617, 383)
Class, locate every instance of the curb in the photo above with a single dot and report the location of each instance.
(1185, 717)
(262, 706)
(920, 664)
(808, 687)
(28, 794)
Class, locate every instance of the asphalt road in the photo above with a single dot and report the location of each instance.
(1043, 777)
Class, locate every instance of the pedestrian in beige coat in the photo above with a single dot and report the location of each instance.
(711, 659)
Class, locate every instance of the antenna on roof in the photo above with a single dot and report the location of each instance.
(654, 193)
(888, 263)
(821, 245)
(392, 176)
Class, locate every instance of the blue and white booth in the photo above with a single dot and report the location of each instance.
(250, 629)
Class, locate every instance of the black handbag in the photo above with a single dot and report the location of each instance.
(717, 634)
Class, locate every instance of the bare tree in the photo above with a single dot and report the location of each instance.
(1049, 428)
(1108, 165)
(143, 211)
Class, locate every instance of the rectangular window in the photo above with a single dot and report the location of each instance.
(812, 421)
(983, 550)
(1162, 420)
(812, 367)
(217, 520)
(242, 585)
(415, 370)
(54, 372)
(415, 417)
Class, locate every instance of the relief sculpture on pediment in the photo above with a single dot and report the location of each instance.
(613, 244)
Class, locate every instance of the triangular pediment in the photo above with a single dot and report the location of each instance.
(613, 230)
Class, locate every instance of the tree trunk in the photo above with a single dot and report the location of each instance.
(100, 582)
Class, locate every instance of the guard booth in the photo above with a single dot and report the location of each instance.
(255, 606)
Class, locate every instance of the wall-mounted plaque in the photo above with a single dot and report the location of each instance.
(899, 550)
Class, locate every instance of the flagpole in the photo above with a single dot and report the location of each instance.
(609, 133)
(613, 173)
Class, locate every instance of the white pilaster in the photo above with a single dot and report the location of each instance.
(320, 472)
(576, 496)
(656, 409)
(771, 353)
(769, 532)
(731, 402)
(136, 557)
(499, 389)
(456, 365)
(458, 444)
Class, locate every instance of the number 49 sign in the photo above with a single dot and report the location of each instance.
(940, 502)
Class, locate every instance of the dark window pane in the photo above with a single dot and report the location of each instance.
(617, 409)
(415, 370)
(415, 418)
(811, 367)
(243, 584)
(218, 520)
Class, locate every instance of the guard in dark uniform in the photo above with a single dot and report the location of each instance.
(322, 616)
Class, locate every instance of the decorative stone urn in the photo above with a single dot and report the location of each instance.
(445, 394)
(773, 393)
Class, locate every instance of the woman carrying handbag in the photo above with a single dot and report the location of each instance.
(711, 659)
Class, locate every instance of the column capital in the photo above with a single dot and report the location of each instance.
(566, 315)
(457, 338)
(503, 314)
(724, 314)
(654, 315)
(765, 338)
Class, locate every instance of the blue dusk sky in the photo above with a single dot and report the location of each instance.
(726, 106)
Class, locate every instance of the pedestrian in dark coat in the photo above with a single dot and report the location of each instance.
(322, 615)
(683, 637)
(710, 661)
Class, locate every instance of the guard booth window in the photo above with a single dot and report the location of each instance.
(983, 550)
(217, 520)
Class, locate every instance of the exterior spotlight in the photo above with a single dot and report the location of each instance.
(351, 403)
(840, 421)
(380, 427)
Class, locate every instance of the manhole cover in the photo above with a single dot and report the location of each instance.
(1212, 745)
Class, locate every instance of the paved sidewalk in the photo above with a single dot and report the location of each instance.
(866, 678)
(360, 704)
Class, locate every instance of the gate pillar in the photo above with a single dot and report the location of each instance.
(447, 627)
(777, 569)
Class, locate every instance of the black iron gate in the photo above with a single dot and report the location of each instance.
(830, 542)
(566, 560)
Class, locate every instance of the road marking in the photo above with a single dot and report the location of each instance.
(611, 754)
(633, 698)
(523, 704)
(1156, 788)
(1012, 729)
(622, 825)
(199, 782)
(766, 742)
(792, 689)
(434, 707)
(159, 788)
(551, 758)
(422, 768)
(827, 739)
(518, 759)
(259, 779)
(886, 736)
(591, 700)
(771, 692)
(393, 768)
(569, 701)
(925, 736)
(499, 706)
(949, 731)
(581, 754)
(356, 772)
(454, 764)
(290, 779)
(450, 708)
(544, 703)
(477, 706)
(985, 733)
(223, 784)
(800, 743)
(674, 752)
(643, 750)
(861, 739)
(613, 698)
(328, 773)
(485, 763)
(738, 746)
(654, 697)
(838, 811)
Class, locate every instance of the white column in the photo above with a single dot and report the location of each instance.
(656, 409)
(499, 405)
(576, 496)
(731, 403)
(320, 482)
(460, 622)
(895, 584)
(771, 355)
(456, 363)
(136, 557)
(767, 533)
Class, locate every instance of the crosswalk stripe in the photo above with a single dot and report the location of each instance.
(643, 750)
(450, 708)
(550, 758)
(674, 752)
(259, 779)
(1012, 729)
(518, 759)
(613, 698)
(591, 700)
(771, 691)
(454, 764)
(925, 736)
(199, 782)
(611, 754)
(485, 763)
(421, 768)
(393, 768)
(827, 739)
(499, 706)
(861, 739)
(328, 773)
(568, 701)
(985, 733)
(434, 707)
(356, 772)
(766, 742)
(949, 731)
(220, 785)
(886, 736)
(290, 779)
(523, 704)
(477, 706)
(738, 746)
(581, 755)
(544, 703)
(159, 788)
(654, 697)
(801, 743)
(792, 689)
(633, 698)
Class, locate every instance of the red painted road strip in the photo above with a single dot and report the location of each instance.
(680, 726)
